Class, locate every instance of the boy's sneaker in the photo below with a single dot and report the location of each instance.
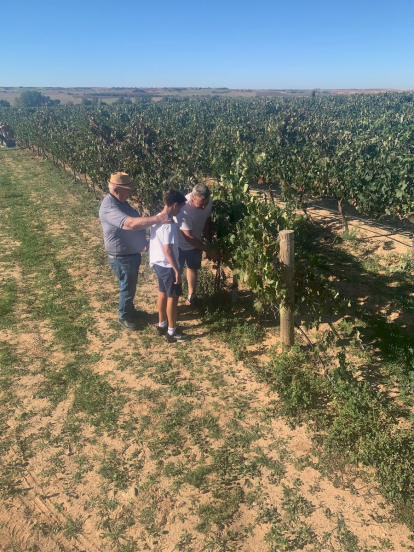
(162, 330)
(177, 337)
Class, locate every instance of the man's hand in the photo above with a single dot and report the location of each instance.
(214, 255)
(177, 277)
(140, 223)
(164, 218)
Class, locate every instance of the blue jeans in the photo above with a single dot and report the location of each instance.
(126, 269)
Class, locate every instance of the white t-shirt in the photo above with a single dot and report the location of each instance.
(160, 235)
(191, 218)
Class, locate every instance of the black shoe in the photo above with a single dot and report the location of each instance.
(162, 330)
(194, 301)
(177, 337)
(129, 324)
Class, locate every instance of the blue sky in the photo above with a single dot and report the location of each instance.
(236, 44)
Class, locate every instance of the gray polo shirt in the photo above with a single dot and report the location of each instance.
(113, 214)
(191, 218)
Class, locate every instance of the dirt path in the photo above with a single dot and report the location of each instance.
(118, 441)
(385, 236)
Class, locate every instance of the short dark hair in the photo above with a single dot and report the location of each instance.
(173, 196)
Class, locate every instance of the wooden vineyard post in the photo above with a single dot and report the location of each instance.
(287, 258)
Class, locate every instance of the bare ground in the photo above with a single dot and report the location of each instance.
(137, 483)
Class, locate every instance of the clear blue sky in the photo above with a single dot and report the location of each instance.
(236, 44)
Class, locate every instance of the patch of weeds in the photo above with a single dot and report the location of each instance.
(72, 528)
(55, 296)
(177, 417)
(385, 544)
(295, 505)
(222, 541)
(10, 479)
(199, 425)
(129, 425)
(237, 333)
(215, 377)
(83, 467)
(149, 394)
(198, 477)
(183, 359)
(47, 529)
(393, 456)
(276, 469)
(8, 298)
(115, 470)
(103, 503)
(184, 542)
(348, 541)
(187, 389)
(146, 341)
(57, 383)
(96, 398)
(221, 510)
(292, 374)
(129, 544)
(73, 428)
(362, 415)
(174, 470)
(227, 462)
(160, 408)
(302, 462)
(148, 518)
(171, 444)
(123, 363)
(10, 368)
(114, 528)
(241, 436)
(165, 374)
(253, 497)
(286, 532)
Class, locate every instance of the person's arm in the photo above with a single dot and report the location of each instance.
(208, 229)
(140, 223)
(169, 253)
(198, 244)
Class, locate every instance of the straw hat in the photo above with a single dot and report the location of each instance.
(121, 180)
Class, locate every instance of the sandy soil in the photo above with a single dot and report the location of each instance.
(51, 491)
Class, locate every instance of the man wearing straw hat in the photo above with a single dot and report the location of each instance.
(125, 239)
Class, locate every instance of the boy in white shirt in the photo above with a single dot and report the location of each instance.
(164, 260)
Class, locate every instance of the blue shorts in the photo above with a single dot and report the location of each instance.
(190, 258)
(166, 279)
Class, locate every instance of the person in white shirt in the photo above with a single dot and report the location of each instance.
(194, 219)
(164, 260)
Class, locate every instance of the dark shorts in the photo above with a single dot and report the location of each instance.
(190, 258)
(166, 279)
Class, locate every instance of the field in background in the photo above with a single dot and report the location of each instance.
(109, 95)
